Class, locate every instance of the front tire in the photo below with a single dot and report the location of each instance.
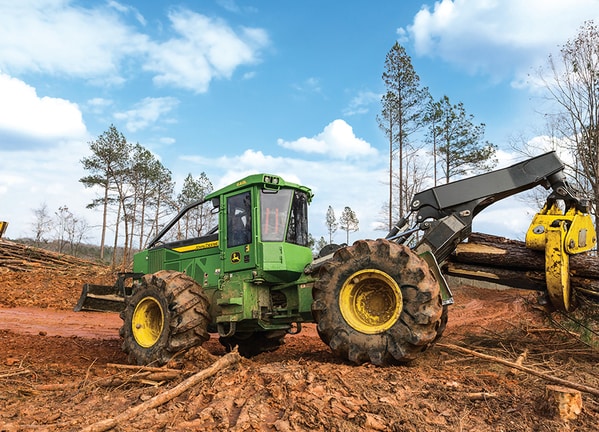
(166, 313)
(378, 302)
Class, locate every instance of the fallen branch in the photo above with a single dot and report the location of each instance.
(20, 372)
(547, 377)
(154, 379)
(519, 361)
(222, 363)
(143, 368)
(57, 386)
(481, 396)
(150, 373)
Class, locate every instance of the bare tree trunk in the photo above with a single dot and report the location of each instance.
(116, 235)
(390, 181)
(104, 221)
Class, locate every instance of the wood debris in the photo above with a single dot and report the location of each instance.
(222, 363)
(22, 258)
(513, 365)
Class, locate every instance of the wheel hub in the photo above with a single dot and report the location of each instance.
(147, 322)
(370, 301)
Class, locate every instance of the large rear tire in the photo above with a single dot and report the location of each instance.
(166, 313)
(378, 302)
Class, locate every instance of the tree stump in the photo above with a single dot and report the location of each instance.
(564, 402)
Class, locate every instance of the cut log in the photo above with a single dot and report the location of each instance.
(501, 252)
(510, 263)
(515, 278)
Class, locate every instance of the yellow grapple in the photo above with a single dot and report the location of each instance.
(560, 234)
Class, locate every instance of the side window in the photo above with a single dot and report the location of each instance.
(298, 221)
(239, 219)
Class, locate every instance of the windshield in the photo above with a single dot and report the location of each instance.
(284, 211)
(274, 210)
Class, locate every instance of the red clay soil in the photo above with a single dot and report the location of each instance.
(59, 371)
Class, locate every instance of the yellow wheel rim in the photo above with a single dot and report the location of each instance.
(147, 322)
(370, 301)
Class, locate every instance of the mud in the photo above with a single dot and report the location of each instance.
(59, 372)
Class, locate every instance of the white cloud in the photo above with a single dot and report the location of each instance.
(60, 38)
(128, 9)
(309, 85)
(24, 114)
(146, 112)
(205, 49)
(168, 141)
(42, 141)
(337, 141)
(32, 177)
(498, 38)
(98, 105)
(360, 104)
(359, 185)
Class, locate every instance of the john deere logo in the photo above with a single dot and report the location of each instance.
(235, 257)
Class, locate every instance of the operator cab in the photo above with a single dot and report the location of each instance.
(266, 223)
(258, 223)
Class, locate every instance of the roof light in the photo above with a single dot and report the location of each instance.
(271, 179)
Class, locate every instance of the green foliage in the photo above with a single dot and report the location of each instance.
(136, 191)
(582, 322)
(348, 222)
(109, 159)
(319, 245)
(403, 110)
(403, 102)
(411, 120)
(199, 220)
(460, 141)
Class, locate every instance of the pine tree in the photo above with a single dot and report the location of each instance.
(331, 223)
(107, 165)
(348, 222)
(461, 147)
(404, 105)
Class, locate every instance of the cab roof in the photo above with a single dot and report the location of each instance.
(266, 181)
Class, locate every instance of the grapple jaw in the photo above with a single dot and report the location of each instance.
(560, 234)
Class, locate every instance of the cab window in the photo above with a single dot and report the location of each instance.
(274, 208)
(239, 219)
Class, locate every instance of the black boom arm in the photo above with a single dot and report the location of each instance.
(444, 213)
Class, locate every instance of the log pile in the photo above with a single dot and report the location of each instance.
(510, 263)
(22, 258)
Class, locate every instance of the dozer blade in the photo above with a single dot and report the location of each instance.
(101, 298)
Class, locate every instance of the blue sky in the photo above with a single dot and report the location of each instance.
(232, 87)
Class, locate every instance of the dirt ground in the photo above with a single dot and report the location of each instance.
(62, 371)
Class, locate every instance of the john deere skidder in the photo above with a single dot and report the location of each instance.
(252, 278)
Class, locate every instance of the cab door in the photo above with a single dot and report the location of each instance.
(240, 235)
